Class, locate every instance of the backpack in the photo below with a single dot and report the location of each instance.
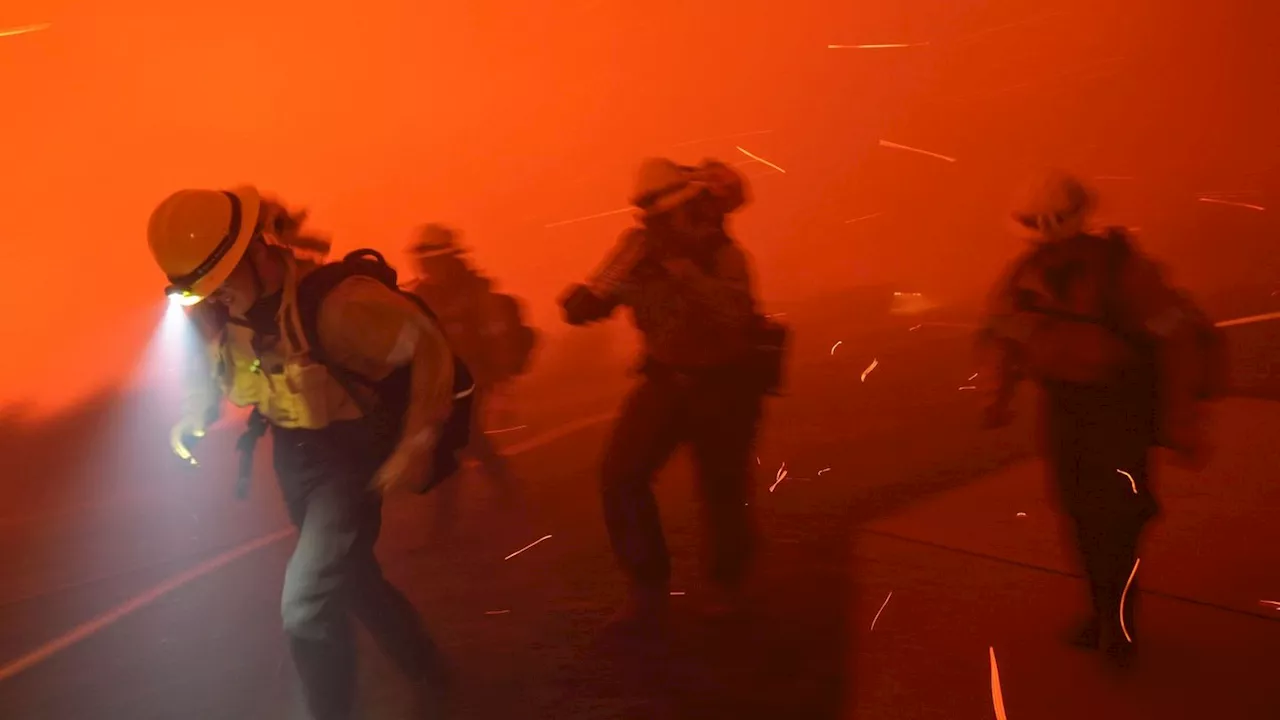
(1211, 343)
(393, 392)
(510, 350)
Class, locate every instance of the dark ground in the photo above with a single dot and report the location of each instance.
(896, 511)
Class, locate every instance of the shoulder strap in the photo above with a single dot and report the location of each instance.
(1118, 253)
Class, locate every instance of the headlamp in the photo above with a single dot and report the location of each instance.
(181, 297)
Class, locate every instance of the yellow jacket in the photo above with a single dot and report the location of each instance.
(365, 328)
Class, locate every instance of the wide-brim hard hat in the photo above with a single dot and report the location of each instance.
(197, 237)
(661, 186)
(434, 240)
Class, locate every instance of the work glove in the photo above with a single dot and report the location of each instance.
(185, 435)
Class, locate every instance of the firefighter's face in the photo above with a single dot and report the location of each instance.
(247, 283)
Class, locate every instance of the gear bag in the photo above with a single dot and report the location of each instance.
(392, 393)
(512, 342)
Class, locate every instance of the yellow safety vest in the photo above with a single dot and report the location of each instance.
(286, 385)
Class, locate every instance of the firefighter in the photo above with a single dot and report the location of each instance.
(485, 328)
(687, 283)
(235, 255)
(1091, 320)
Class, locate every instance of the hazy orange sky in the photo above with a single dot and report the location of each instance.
(501, 118)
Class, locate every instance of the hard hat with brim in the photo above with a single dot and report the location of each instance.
(435, 241)
(661, 186)
(199, 236)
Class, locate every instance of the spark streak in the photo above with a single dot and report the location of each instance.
(619, 211)
(881, 46)
(1022, 514)
(997, 697)
(496, 612)
(826, 469)
(971, 377)
(864, 217)
(838, 344)
(1231, 203)
(722, 137)
(870, 367)
(505, 430)
(1270, 603)
(782, 475)
(757, 158)
(677, 592)
(1132, 483)
(526, 547)
(968, 387)
(23, 30)
(886, 143)
(1250, 319)
(1125, 595)
(877, 617)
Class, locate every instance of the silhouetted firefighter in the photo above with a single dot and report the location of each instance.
(361, 393)
(1125, 363)
(709, 361)
(484, 327)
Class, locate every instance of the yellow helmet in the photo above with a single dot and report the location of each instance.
(197, 237)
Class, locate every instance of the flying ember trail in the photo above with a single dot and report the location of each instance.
(908, 148)
(759, 159)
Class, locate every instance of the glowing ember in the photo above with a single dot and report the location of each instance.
(908, 148)
(782, 475)
(826, 469)
(1124, 595)
(870, 367)
(997, 697)
(759, 159)
(864, 217)
(1270, 603)
(526, 547)
(1132, 484)
(1022, 514)
(619, 211)
(722, 137)
(883, 46)
(496, 612)
(1231, 203)
(917, 327)
(677, 592)
(1249, 320)
(877, 617)
(971, 377)
(23, 30)
(838, 344)
(968, 387)
(504, 430)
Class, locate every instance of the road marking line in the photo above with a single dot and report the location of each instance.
(110, 617)
(84, 630)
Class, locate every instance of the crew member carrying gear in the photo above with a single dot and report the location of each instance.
(484, 327)
(333, 455)
(1124, 363)
(709, 361)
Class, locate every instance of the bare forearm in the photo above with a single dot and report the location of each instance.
(431, 394)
